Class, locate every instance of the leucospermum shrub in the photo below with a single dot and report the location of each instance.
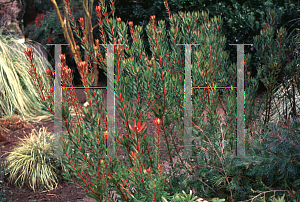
(155, 84)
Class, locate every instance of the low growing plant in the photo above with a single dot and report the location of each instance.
(33, 162)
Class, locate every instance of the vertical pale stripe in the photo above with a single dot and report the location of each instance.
(58, 102)
(187, 103)
(240, 101)
(110, 102)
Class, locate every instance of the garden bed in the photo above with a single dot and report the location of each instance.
(65, 191)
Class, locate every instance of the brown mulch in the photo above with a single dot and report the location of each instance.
(65, 191)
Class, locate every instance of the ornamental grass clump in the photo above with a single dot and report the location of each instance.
(33, 162)
(18, 94)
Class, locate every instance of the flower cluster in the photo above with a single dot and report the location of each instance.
(49, 40)
(29, 53)
(38, 18)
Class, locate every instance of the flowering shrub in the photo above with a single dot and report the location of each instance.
(156, 85)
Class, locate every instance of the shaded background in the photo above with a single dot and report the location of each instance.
(242, 20)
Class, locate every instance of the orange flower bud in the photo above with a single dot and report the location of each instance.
(63, 58)
(98, 9)
(152, 17)
(119, 20)
(157, 121)
(133, 153)
(81, 20)
(69, 72)
(48, 71)
(97, 42)
(130, 24)
(82, 66)
(137, 127)
(102, 162)
(29, 52)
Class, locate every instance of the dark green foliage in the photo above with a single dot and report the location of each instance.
(242, 20)
(274, 153)
(281, 168)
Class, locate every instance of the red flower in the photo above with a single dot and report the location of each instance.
(157, 121)
(81, 21)
(63, 58)
(152, 17)
(49, 40)
(98, 9)
(133, 153)
(119, 20)
(130, 24)
(137, 127)
(68, 72)
(51, 90)
(48, 71)
(97, 42)
(29, 52)
(82, 66)
(37, 19)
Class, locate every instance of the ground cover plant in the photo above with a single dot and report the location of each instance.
(156, 84)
